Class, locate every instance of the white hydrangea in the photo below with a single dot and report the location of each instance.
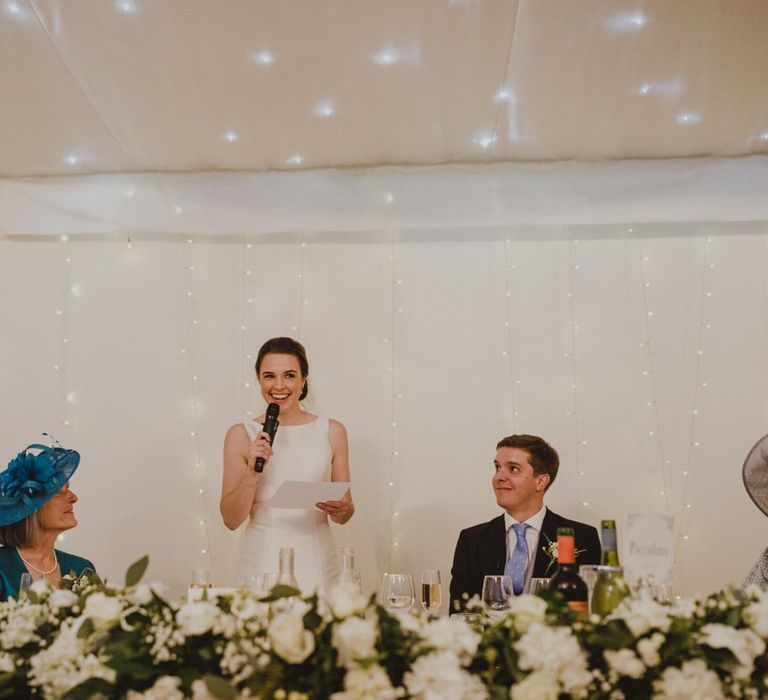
(693, 680)
(439, 676)
(140, 595)
(103, 610)
(345, 599)
(65, 664)
(539, 685)
(625, 662)
(452, 634)
(744, 644)
(164, 688)
(354, 638)
(20, 624)
(289, 639)
(648, 649)
(642, 615)
(367, 683)
(556, 651)
(196, 618)
(526, 611)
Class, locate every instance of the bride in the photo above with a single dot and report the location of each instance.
(306, 448)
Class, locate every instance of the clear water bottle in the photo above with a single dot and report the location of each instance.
(285, 576)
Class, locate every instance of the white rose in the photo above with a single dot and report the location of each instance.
(439, 676)
(165, 688)
(625, 662)
(141, 594)
(452, 634)
(346, 599)
(289, 638)
(648, 649)
(103, 610)
(354, 639)
(196, 618)
(693, 680)
(62, 598)
(367, 683)
(538, 686)
(527, 610)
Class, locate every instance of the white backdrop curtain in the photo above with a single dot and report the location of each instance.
(626, 323)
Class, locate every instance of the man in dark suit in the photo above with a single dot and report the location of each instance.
(517, 541)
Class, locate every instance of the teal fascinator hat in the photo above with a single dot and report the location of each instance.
(32, 478)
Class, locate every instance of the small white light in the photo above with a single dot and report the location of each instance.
(249, 272)
(386, 57)
(688, 118)
(230, 136)
(65, 340)
(661, 493)
(685, 537)
(72, 159)
(127, 7)
(71, 397)
(394, 425)
(13, 9)
(324, 108)
(247, 385)
(263, 58)
(396, 453)
(59, 312)
(242, 328)
(66, 422)
(626, 22)
(303, 245)
(394, 544)
(202, 551)
(391, 483)
(485, 138)
(685, 472)
(504, 353)
(128, 194)
(64, 239)
(389, 198)
(194, 377)
(202, 522)
(583, 442)
(396, 514)
(295, 159)
(178, 209)
(189, 240)
(687, 505)
(505, 94)
(651, 433)
(200, 491)
(650, 313)
(192, 434)
(585, 504)
(699, 352)
(189, 294)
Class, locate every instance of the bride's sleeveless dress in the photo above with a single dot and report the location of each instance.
(301, 453)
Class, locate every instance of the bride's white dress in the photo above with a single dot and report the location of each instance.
(301, 453)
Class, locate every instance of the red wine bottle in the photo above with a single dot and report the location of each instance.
(566, 579)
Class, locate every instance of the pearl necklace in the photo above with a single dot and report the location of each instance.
(42, 573)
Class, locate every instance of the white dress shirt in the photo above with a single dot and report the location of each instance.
(532, 535)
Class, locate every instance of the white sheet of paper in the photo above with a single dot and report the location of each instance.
(304, 494)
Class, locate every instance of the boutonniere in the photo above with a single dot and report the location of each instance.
(550, 549)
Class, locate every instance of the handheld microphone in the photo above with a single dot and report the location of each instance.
(270, 428)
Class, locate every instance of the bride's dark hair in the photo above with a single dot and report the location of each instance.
(286, 346)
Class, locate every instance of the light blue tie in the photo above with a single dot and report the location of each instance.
(519, 559)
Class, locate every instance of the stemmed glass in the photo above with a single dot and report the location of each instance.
(201, 578)
(497, 594)
(396, 593)
(431, 591)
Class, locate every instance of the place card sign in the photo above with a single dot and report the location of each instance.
(649, 548)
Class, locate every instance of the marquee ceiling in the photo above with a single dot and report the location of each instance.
(117, 86)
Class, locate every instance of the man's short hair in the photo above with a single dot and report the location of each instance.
(541, 455)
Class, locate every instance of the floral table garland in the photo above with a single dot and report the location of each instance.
(99, 641)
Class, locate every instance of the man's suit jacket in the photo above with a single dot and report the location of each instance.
(482, 551)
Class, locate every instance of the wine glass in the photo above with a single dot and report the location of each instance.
(253, 583)
(268, 583)
(25, 582)
(396, 593)
(352, 576)
(497, 594)
(431, 591)
(538, 584)
(201, 578)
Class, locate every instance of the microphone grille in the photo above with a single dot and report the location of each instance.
(273, 410)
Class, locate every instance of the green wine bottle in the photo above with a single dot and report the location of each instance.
(566, 579)
(610, 553)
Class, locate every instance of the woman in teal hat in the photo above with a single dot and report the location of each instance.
(36, 506)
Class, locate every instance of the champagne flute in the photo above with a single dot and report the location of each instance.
(253, 583)
(396, 593)
(497, 594)
(25, 582)
(431, 591)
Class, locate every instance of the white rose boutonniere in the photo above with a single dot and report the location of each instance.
(550, 549)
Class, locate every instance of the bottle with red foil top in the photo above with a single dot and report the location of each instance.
(566, 579)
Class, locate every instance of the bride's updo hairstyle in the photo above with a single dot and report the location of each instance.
(286, 346)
